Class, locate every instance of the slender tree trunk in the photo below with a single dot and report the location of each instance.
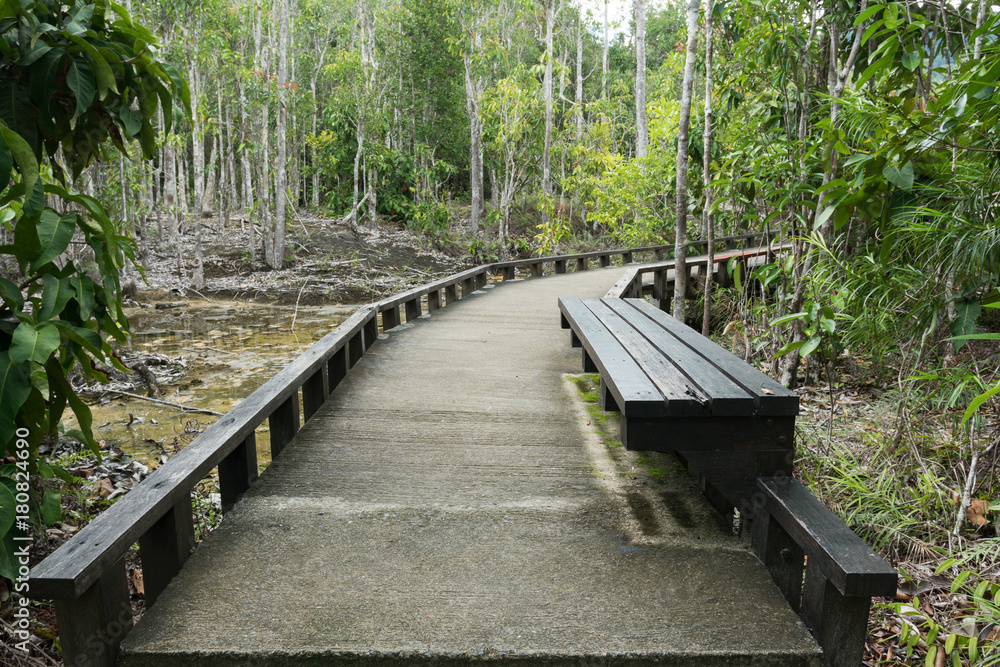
(642, 130)
(357, 172)
(980, 17)
(277, 259)
(680, 204)
(547, 94)
(472, 91)
(706, 142)
(578, 97)
(604, 57)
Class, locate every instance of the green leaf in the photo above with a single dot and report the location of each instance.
(959, 580)
(978, 401)
(34, 344)
(789, 347)
(50, 507)
(6, 163)
(7, 512)
(56, 293)
(14, 390)
(80, 79)
(901, 177)
(7, 558)
(102, 71)
(27, 165)
(54, 234)
(810, 346)
(867, 14)
(11, 295)
(88, 338)
(911, 59)
(787, 318)
(131, 121)
(967, 311)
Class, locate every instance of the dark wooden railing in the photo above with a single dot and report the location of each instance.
(86, 577)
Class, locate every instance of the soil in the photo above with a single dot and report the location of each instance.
(327, 263)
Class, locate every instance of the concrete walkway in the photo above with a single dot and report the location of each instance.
(448, 505)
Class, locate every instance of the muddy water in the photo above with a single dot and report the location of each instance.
(229, 349)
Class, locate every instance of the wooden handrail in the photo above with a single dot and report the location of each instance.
(86, 575)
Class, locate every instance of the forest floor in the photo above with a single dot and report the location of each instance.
(329, 263)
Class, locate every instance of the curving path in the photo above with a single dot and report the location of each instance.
(448, 504)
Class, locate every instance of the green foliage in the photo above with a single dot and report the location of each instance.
(83, 67)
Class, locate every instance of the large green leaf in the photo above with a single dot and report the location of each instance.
(978, 401)
(14, 390)
(50, 507)
(56, 293)
(967, 311)
(7, 513)
(31, 343)
(6, 163)
(901, 177)
(26, 162)
(80, 79)
(54, 234)
(102, 71)
(11, 295)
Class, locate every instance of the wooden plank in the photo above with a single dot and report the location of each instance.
(842, 556)
(604, 260)
(468, 286)
(623, 284)
(355, 348)
(433, 300)
(633, 392)
(70, 571)
(682, 398)
(479, 279)
(701, 433)
(337, 368)
(726, 398)
(779, 402)
(735, 473)
(165, 547)
(536, 270)
(581, 264)
(560, 265)
(451, 294)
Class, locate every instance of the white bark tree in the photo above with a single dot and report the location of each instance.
(684, 124)
(642, 129)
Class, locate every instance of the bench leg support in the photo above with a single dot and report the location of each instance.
(839, 622)
(92, 626)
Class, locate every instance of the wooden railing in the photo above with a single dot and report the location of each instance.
(86, 577)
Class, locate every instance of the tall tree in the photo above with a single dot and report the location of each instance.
(680, 202)
(706, 154)
(641, 129)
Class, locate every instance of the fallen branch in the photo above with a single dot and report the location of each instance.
(186, 408)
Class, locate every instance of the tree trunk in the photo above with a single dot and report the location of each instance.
(706, 143)
(680, 203)
(472, 92)
(642, 130)
(578, 97)
(277, 260)
(357, 172)
(604, 57)
(547, 94)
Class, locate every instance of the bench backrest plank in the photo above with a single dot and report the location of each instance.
(771, 397)
(725, 397)
(633, 391)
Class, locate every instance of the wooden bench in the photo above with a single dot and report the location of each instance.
(733, 427)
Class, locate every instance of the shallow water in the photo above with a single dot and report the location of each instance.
(229, 348)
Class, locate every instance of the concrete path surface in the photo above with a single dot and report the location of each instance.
(450, 505)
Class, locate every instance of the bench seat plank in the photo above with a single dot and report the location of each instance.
(726, 398)
(681, 397)
(633, 392)
(846, 561)
(772, 398)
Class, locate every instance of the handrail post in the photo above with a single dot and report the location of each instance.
(93, 625)
(284, 423)
(604, 260)
(314, 392)
(238, 471)
(468, 287)
(451, 294)
(433, 300)
(581, 264)
(839, 622)
(560, 266)
(626, 257)
(390, 318)
(537, 269)
(480, 280)
(165, 547)
(337, 368)
(412, 309)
